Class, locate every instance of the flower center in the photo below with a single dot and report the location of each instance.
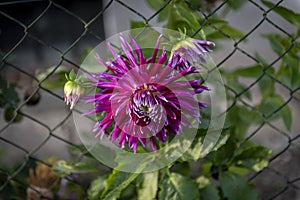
(143, 105)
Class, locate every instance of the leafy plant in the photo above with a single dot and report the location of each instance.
(222, 171)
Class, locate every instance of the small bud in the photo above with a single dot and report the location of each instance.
(189, 51)
(72, 92)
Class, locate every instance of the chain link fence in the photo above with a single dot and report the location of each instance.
(36, 34)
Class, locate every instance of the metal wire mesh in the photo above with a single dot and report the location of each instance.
(25, 30)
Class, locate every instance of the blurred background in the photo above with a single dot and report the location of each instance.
(45, 39)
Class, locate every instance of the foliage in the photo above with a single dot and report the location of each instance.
(223, 166)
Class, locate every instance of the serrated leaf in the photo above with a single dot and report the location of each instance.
(147, 185)
(96, 188)
(177, 187)
(234, 187)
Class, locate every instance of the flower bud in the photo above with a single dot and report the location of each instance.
(72, 90)
(189, 51)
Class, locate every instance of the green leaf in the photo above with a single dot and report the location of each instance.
(269, 107)
(194, 151)
(292, 62)
(116, 183)
(119, 180)
(218, 157)
(10, 113)
(252, 157)
(155, 4)
(227, 30)
(147, 185)
(56, 80)
(164, 14)
(158, 4)
(234, 187)
(222, 139)
(61, 168)
(202, 182)
(209, 193)
(242, 171)
(252, 151)
(288, 72)
(260, 59)
(236, 4)
(177, 187)
(137, 24)
(96, 187)
(245, 116)
(182, 17)
(214, 29)
(277, 44)
(197, 150)
(232, 32)
(210, 30)
(266, 86)
(72, 75)
(8, 93)
(287, 14)
(248, 72)
(238, 87)
(206, 189)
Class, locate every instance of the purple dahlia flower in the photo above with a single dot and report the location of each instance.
(189, 51)
(142, 98)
